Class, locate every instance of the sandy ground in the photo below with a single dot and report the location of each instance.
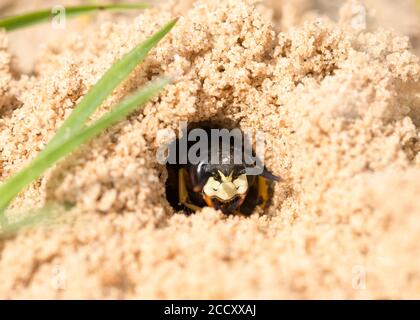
(339, 104)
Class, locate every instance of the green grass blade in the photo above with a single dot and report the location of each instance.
(106, 85)
(77, 119)
(31, 218)
(50, 156)
(30, 18)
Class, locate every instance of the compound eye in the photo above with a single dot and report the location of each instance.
(202, 172)
(201, 176)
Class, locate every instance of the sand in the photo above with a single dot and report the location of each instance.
(339, 105)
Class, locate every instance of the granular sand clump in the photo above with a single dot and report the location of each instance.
(340, 110)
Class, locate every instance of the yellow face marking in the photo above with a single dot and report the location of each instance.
(241, 184)
(226, 189)
(225, 178)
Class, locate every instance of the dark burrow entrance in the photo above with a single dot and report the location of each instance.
(212, 164)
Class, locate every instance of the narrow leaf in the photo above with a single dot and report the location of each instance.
(50, 156)
(106, 85)
(31, 218)
(30, 18)
(77, 119)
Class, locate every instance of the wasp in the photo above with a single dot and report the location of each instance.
(225, 184)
